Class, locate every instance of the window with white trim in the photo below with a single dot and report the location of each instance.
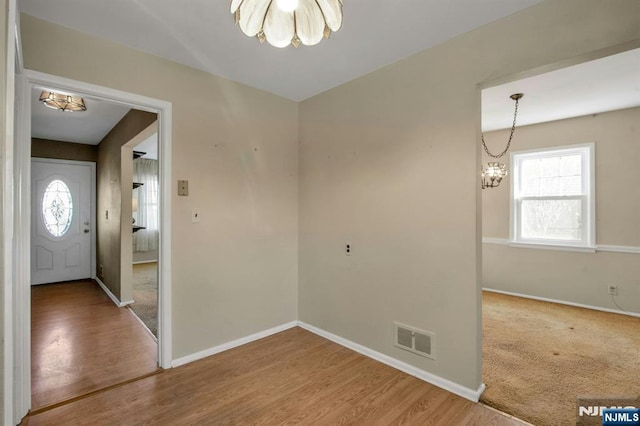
(553, 196)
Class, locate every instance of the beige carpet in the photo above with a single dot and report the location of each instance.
(145, 294)
(539, 357)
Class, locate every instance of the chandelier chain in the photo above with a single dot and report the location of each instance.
(513, 129)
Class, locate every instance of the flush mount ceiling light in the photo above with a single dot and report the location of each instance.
(62, 102)
(494, 172)
(284, 22)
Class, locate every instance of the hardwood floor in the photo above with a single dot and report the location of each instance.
(81, 342)
(293, 377)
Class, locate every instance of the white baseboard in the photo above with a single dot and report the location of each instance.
(144, 261)
(467, 393)
(230, 345)
(115, 300)
(562, 302)
(470, 394)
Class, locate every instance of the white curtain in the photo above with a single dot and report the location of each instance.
(145, 171)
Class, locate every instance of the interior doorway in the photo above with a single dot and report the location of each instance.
(25, 84)
(83, 338)
(145, 225)
(549, 314)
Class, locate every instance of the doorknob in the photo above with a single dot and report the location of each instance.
(86, 231)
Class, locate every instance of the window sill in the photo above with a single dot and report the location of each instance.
(580, 249)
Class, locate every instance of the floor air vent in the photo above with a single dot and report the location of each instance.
(414, 340)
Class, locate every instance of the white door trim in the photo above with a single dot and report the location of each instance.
(92, 201)
(13, 64)
(21, 308)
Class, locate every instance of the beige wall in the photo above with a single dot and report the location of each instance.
(234, 273)
(114, 177)
(45, 148)
(389, 162)
(575, 277)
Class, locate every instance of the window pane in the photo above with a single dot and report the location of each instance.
(550, 186)
(57, 208)
(571, 185)
(551, 176)
(530, 182)
(571, 165)
(549, 167)
(552, 219)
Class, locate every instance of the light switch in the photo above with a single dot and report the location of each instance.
(195, 216)
(183, 187)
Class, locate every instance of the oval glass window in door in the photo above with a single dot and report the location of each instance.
(57, 208)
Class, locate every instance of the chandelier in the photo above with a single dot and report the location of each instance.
(284, 22)
(62, 102)
(493, 174)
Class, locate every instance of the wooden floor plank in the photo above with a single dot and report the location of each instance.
(293, 377)
(81, 342)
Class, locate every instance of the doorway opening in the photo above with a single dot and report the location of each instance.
(110, 293)
(145, 227)
(83, 340)
(553, 330)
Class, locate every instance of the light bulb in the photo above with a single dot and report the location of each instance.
(287, 5)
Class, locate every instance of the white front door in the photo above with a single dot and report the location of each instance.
(61, 222)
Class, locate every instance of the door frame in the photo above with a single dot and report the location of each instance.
(12, 70)
(92, 201)
(21, 309)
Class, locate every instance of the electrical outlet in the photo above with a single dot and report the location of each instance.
(101, 270)
(347, 249)
(613, 290)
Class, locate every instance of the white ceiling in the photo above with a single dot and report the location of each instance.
(203, 35)
(606, 84)
(149, 146)
(88, 127)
